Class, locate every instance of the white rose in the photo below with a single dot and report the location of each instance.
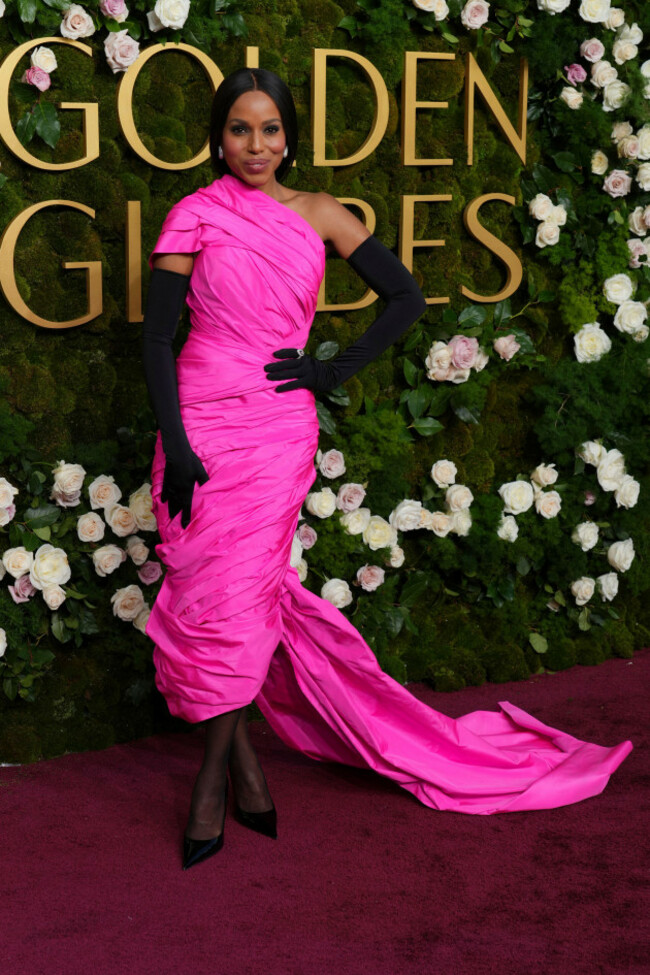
(548, 504)
(614, 19)
(337, 592)
(49, 568)
(350, 496)
(76, 23)
(128, 603)
(558, 215)
(594, 11)
(154, 22)
(474, 14)
(517, 496)
(571, 97)
(607, 586)
(7, 493)
(508, 528)
(630, 316)
(90, 527)
(3, 635)
(643, 136)
(440, 523)
(2, 13)
(620, 130)
(444, 473)
(107, 559)
(103, 491)
(17, 561)
(356, 522)
(68, 478)
(481, 360)
(620, 555)
(458, 497)
(379, 533)
(583, 589)
(585, 535)
(627, 493)
(614, 95)
(630, 32)
(406, 516)
(322, 503)
(617, 183)
(610, 470)
(396, 557)
(438, 8)
(628, 148)
(140, 504)
(54, 596)
(370, 577)
(540, 207)
(553, 6)
(591, 452)
(172, 13)
(302, 569)
(438, 362)
(618, 288)
(643, 176)
(296, 551)
(136, 550)
(44, 58)
(332, 464)
(544, 475)
(641, 334)
(548, 234)
(636, 221)
(121, 50)
(591, 343)
(592, 50)
(645, 69)
(141, 620)
(121, 519)
(624, 51)
(603, 73)
(461, 522)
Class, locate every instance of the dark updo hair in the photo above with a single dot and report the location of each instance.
(253, 79)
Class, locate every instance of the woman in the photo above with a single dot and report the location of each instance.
(234, 459)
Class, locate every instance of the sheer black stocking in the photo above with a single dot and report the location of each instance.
(207, 806)
(246, 775)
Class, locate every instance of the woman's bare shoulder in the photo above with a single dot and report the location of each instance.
(338, 227)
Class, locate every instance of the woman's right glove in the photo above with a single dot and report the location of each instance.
(183, 469)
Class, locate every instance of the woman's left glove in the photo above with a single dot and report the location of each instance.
(304, 371)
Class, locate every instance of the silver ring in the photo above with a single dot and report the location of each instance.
(300, 352)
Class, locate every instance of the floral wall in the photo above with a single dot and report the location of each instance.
(480, 511)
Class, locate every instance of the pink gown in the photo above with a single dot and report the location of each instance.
(232, 623)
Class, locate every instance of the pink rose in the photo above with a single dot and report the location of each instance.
(121, 50)
(149, 573)
(115, 9)
(6, 514)
(617, 183)
(592, 50)
(65, 499)
(350, 496)
(22, 589)
(474, 14)
(463, 351)
(37, 77)
(370, 577)
(506, 347)
(590, 497)
(575, 73)
(637, 250)
(307, 536)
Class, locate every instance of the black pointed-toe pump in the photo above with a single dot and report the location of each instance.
(262, 822)
(196, 851)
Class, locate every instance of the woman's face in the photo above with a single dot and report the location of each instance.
(253, 138)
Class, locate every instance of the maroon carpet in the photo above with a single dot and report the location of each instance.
(362, 880)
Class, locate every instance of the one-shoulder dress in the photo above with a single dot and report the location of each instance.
(232, 622)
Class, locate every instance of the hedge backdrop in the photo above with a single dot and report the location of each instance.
(467, 605)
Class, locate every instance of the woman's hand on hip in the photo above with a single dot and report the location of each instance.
(179, 478)
(303, 370)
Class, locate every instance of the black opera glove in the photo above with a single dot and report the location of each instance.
(389, 278)
(183, 469)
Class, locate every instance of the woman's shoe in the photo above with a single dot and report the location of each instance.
(195, 851)
(262, 822)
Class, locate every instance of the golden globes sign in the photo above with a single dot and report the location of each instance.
(474, 81)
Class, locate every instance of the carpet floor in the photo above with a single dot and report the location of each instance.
(362, 880)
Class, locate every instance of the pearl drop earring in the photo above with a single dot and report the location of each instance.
(220, 153)
(286, 152)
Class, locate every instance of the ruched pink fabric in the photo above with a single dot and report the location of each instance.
(232, 622)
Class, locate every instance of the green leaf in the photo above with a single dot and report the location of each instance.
(523, 566)
(40, 517)
(426, 426)
(26, 128)
(450, 38)
(394, 621)
(538, 642)
(326, 350)
(411, 372)
(27, 10)
(59, 629)
(565, 161)
(326, 421)
(583, 619)
(559, 598)
(506, 48)
(10, 687)
(47, 123)
(464, 413)
(413, 588)
(350, 24)
(502, 312)
(235, 24)
(45, 534)
(472, 315)
(417, 401)
(57, 4)
(338, 396)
